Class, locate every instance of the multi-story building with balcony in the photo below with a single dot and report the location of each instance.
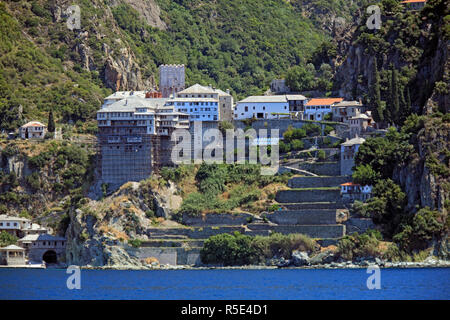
(135, 137)
(204, 103)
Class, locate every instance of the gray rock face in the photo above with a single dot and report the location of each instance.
(300, 258)
(322, 258)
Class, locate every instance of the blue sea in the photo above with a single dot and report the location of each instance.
(279, 284)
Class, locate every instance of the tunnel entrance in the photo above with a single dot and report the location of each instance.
(50, 257)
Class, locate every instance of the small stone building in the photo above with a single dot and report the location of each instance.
(12, 256)
(44, 247)
(353, 191)
(33, 130)
(348, 152)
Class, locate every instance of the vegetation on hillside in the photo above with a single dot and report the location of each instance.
(238, 249)
(377, 160)
(222, 188)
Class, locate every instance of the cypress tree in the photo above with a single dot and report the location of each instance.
(375, 96)
(395, 113)
(51, 122)
(389, 98)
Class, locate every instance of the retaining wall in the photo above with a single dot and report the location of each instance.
(303, 217)
(292, 196)
(318, 182)
(193, 232)
(359, 225)
(171, 256)
(313, 231)
(322, 168)
(224, 219)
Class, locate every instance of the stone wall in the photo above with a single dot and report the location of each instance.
(171, 256)
(305, 217)
(224, 219)
(281, 124)
(313, 231)
(318, 182)
(322, 168)
(193, 232)
(359, 225)
(293, 196)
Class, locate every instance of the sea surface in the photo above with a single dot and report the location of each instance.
(280, 284)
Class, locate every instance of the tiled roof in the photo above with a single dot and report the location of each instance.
(198, 88)
(12, 247)
(354, 141)
(266, 99)
(414, 1)
(41, 237)
(323, 101)
(33, 124)
(12, 218)
(350, 184)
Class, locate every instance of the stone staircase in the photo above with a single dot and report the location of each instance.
(310, 207)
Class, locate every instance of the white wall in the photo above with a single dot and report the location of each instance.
(267, 108)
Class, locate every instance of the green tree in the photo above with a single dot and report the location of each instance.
(365, 175)
(51, 122)
(375, 96)
(300, 78)
(7, 239)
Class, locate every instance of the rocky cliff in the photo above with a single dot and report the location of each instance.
(413, 42)
(101, 231)
(102, 47)
(425, 178)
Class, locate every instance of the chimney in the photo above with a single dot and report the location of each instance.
(228, 91)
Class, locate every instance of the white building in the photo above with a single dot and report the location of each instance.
(33, 130)
(348, 152)
(353, 191)
(120, 95)
(316, 109)
(13, 225)
(204, 103)
(261, 107)
(19, 226)
(151, 115)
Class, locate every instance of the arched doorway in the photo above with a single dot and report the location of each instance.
(50, 257)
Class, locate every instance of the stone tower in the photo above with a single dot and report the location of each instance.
(171, 79)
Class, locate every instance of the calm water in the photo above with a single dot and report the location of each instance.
(226, 284)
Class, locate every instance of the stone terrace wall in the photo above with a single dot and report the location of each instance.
(193, 232)
(316, 231)
(304, 217)
(318, 182)
(171, 256)
(290, 196)
(226, 219)
(322, 168)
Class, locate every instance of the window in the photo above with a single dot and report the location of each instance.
(246, 109)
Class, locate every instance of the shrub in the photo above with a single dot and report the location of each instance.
(238, 249)
(360, 245)
(135, 243)
(7, 239)
(321, 155)
(365, 175)
(424, 226)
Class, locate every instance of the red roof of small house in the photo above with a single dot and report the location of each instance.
(350, 184)
(33, 124)
(414, 1)
(323, 101)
